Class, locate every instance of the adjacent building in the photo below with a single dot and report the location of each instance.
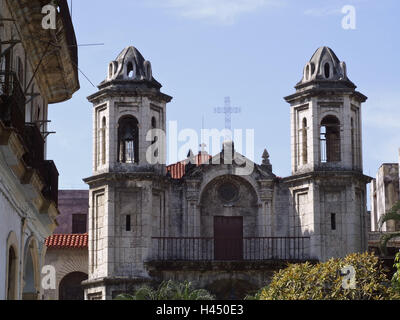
(67, 248)
(38, 67)
(384, 192)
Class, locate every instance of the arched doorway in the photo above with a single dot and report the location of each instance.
(12, 275)
(31, 277)
(70, 287)
(229, 213)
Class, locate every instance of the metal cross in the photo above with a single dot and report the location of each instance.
(228, 110)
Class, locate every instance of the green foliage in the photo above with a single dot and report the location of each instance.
(324, 281)
(169, 290)
(396, 276)
(392, 214)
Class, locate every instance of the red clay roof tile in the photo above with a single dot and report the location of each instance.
(62, 241)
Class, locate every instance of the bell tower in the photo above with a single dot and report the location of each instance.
(327, 186)
(128, 186)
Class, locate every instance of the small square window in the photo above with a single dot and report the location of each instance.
(79, 223)
(333, 221)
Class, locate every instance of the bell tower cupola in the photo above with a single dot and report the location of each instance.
(326, 117)
(127, 107)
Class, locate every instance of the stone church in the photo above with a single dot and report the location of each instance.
(198, 219)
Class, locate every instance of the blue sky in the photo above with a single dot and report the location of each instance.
(251, 50)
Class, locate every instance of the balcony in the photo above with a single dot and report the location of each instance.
(248, 249)
(12, 101)
(12, 115)
(34, 158)
(49, 173)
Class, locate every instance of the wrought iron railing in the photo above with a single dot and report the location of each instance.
(12, 106)
(253, 249)
(12, 113)
(35, 144)
(49, 173)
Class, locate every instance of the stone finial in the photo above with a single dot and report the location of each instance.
(265, 158)
(266, 164)
(191, 157)
(203, 147)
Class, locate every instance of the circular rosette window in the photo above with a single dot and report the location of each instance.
(228, 192)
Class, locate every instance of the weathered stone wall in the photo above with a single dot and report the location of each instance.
(384, 194)
(65, 261)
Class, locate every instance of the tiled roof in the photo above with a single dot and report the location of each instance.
(177, 170)
(63, 241)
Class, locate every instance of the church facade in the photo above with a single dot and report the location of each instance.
(202, 219)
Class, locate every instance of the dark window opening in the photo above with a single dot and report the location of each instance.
(12, 274)
(304, 138)
(333, 221)
(128, 223)
(308, 73)
(128, 142)
(130, 70)
(103, 141)
(20, 71)
(330, 139)
(71, 286)
(327, 70)
(79, 223)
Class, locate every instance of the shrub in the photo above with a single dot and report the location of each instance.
(396, 276)
(169, 290)
(324, 281)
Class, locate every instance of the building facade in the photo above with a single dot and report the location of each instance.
(38, 67)
(67, 248)
(206, 219)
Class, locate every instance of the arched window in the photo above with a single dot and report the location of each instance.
(103, 141)
(71, 286)
(130, 71)
(110, 70)
(12, 275)
(308, 72)
(154, 126)
(330, 139)
(30, 290)
(327, 70)
(304, 140)
(128, 140)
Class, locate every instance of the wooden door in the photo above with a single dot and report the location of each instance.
(228, 238)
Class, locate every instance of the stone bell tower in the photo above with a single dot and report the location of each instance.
(127, 188)
(328, 188)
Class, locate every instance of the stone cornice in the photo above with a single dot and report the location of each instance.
(325, 174)
(108, 92)
(314, 92)
(57, 75)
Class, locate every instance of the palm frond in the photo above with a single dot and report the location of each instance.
(392, 214)
(386, 238)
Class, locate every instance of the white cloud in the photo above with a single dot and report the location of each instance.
(222, 11)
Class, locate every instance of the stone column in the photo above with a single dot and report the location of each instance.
(265, 219)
